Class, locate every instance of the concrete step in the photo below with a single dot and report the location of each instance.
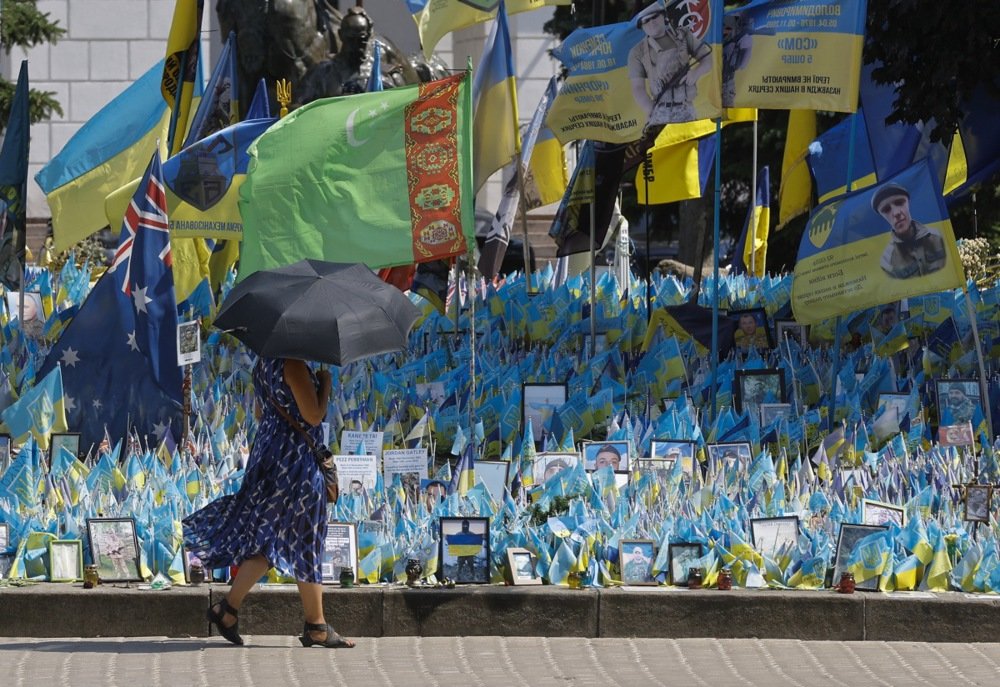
(61, 610)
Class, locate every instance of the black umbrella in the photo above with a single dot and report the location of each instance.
(322, 311)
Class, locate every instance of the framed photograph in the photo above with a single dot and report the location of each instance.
(957, 400)
(465, 550)
(771, 536)
(769, 412)
(754, 387)
(64, 440)
(683, 556)
(751, 329)
(848, 538)
(978, 499)
(660, 467)
(879, 513)
(114, 549)
(538, 402)
(790, 329)
(521, 564)
(674, 450)
(4, 536)
(4, 452)
(552, 463)
(434, 491)
(188, 342)
(340, 550)
(636, 557)
(6, 563)
(494, 476)
(34, 315)
(891, 401)
(65, 560)
(730, 454)
(885, 318)
(599, 454)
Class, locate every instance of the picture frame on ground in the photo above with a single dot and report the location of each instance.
(494, 475)
(465, 549)
(538, 402)
(792, 330)
(769, 412)
(730, 453)
(521, 567)
(6, 563)
(65, 560)
(4, 452)
(636, 558)
(674, 450)
(751, 329)
(4, 536)
(957, 400)
(599, 454)
(848, 537)
(114, 549)
(879, 513)
(772, 536)
(661, 467)
(340, 550)
(552, 463)
(60, 440)
(752, 388)
(978, 498)
(683, 556)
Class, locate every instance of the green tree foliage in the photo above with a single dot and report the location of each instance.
(24, 26)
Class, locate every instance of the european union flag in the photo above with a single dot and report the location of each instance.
(119, 354)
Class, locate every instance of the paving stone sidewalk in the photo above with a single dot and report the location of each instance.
(272, 661)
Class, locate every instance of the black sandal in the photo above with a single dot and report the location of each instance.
(332, 641)
(230, 632)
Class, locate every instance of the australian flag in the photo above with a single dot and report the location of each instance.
(119, 354)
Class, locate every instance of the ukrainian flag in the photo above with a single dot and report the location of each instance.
(110, 150)
(39, 412)
(464, 544)
(546, 179)
(496, 139)
(795, 190)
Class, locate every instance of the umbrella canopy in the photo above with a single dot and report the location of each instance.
(321, 311)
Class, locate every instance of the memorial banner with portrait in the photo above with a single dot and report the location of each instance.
(793, 54)
(667, 58)
(875, 246)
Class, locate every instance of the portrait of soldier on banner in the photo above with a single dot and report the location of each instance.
(666, 65)
(914, 249)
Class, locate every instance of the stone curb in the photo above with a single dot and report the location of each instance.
(57, 610)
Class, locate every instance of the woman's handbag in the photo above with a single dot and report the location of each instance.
(323, 455)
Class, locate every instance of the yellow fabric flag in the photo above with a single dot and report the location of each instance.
(795, 191)
(673, 174)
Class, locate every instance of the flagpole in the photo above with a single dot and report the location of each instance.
(714, 362)
(753, 200)
(522, 208)
(472, 348)
(593, 267)
(835, 369)
(983, 391)
(647, 171)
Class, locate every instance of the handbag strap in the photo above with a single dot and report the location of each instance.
(293, 422)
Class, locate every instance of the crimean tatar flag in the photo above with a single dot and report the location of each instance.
(382, 178)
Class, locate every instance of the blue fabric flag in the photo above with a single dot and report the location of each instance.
(14, 185)
(119, 354)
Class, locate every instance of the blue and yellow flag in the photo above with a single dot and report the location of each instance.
(180, 68)
(545, 178)
(436, 18)
(14, 185)
(219, 106)
(752, 245)
(607, 63)
(39, 412)
(496, 139)
(795, 190)
(202, 184)
(794, 54)
(876, 246)
(110, 150)
(830, 156)
(675, 172)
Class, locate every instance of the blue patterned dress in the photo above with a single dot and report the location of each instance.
(280, 509)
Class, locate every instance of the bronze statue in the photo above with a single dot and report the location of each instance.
(286, 39)
(349, 70)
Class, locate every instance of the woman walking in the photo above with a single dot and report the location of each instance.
(278, 517)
